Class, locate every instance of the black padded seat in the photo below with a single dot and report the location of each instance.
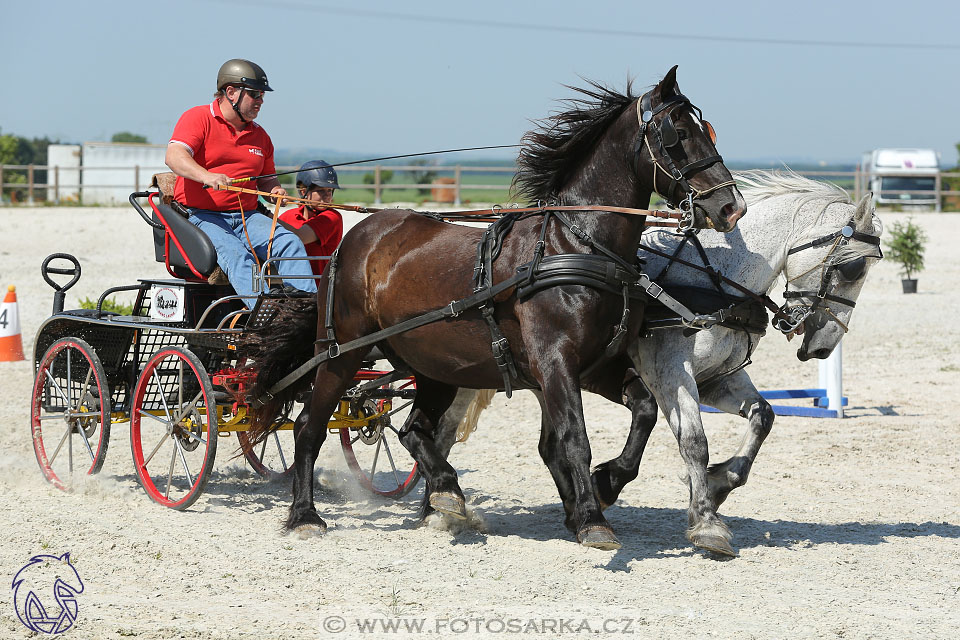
(195, 244)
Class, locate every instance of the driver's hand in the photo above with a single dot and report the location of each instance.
(278, 193)
(217, 180)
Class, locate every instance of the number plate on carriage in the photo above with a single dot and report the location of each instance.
(166, 303)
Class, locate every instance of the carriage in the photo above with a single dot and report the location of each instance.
(172, 371)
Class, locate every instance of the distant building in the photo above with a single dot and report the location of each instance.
(101, 172)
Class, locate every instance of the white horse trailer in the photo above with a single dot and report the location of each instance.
(903, 176)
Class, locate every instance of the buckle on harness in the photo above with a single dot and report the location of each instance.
(654, 290)
(333, 351)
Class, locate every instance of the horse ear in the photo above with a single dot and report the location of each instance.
(668, 86)
(863, 217)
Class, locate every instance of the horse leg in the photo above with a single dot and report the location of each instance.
(736, 394)
(610, 477)
(446, 436)
(567, 433)
(677, 395)
(418, 436)
(549, 449)
(332, 380)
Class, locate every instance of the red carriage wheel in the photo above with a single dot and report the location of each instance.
(173, 428)
(70, 412)
(374, 453)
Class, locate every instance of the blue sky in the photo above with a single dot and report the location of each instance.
(813, 80)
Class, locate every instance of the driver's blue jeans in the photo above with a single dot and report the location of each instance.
(225, 230)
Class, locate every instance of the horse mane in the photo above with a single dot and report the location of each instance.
(757, 185)
(558, 144)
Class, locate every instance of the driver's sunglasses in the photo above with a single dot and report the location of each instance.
(256, 95)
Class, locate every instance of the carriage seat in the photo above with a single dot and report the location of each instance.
(178, 230)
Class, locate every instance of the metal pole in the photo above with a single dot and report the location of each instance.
(29, 184)
(376, 186)
(456, 190)
(939, 188)
(857, 187)
(136, 178)
(56, 184)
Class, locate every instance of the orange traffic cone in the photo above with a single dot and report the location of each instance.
(11, 344)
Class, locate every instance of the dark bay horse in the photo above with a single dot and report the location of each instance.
(606, 149)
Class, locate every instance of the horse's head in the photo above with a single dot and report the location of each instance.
(676, 146)
(828, 273)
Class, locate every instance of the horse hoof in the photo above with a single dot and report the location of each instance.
(449, 504)
(307, 531)
(598, 537)
(715, 544)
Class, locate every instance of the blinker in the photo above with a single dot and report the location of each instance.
(847, 231)
(852, 270)
(668, 133)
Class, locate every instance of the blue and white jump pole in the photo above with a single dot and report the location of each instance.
(828, 397)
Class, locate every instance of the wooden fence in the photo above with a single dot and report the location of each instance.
(19, 184)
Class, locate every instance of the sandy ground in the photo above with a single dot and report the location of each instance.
(847, 529)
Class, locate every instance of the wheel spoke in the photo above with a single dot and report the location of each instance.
(154, 452)
(400, 408)
(146, 414)
(173, 459)
(57, 386)
(192, 435)
(86, 442)
(376, 454)
(386, 447)
(162, 392)
(183, 462)
(62, 440)
(85, 387)
(283, 461)
(69, 384)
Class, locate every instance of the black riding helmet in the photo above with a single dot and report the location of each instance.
(317, 173)
(242, 73)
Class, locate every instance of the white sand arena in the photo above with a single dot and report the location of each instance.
(846, 528)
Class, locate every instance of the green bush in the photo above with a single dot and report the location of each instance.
(906, 247)
(110, 304)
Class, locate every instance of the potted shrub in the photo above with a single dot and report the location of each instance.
(906, 247)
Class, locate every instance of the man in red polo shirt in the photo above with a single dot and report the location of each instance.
(319, 227)
(212, 144)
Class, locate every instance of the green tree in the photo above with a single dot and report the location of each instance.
(422, 176)
(906, 246)
(126, 136)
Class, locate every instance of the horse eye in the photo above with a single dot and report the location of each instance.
(682, 134)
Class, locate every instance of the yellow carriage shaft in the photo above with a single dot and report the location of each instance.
(229, 421)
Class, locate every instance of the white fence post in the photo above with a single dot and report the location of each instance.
(831, 379)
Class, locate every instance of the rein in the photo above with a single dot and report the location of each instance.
(494, 212)
(715, 275)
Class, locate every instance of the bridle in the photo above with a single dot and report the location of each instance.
(667, 142)
(790, 317)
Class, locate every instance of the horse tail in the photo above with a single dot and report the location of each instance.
(468, 424)
(277, 347)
